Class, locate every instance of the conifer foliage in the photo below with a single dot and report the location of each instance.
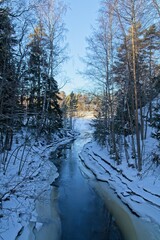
(32, 49)
(156, 123)
(8, 80)
(43, 92)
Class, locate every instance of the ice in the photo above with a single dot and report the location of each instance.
(140, 192)
(19, 192)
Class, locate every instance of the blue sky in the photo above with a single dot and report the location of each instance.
(79, 18)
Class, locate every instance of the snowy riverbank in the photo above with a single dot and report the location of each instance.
(124, 189)
(140, 192)
(26, 177)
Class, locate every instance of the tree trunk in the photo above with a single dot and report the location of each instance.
(136, 95)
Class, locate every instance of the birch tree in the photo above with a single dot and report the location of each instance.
(131, 15)
(99, 61)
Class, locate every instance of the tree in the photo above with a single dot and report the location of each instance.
(99, 61)
(8, 82)
(151, 53)
(124, 78)
(50, 14)
(121, 58)
(156, 123)
(43, 99)
(54, 113)
(71, 107)
(130, 22)
(37, 69)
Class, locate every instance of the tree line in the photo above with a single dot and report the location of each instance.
(122, 60)
(81, 101)
(32, 50)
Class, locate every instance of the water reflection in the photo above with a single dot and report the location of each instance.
(82, 212)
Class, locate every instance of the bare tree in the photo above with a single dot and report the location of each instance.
(99, 61)
(51, 15)
(130, 14)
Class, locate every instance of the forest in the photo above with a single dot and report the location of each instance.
(122, 58)
(122, 64)
(32, 51)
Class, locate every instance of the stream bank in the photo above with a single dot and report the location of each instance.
(83, 213)
(132, 227)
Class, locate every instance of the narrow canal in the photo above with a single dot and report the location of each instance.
(82, 212)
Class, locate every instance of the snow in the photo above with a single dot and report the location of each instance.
(20, 192)
(139, 191)
(26, 177)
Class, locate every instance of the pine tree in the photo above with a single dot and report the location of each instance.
(72, 104)
(54, 113)
(43, 92)
(8, 82)
(156, 123)
(151, 52)
(124, 78)
(37, 69)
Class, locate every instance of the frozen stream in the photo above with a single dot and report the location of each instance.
(82, 203)
(82, 212)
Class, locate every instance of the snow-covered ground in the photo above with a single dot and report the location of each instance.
(20, 193)
(139, 191)
(26, 178)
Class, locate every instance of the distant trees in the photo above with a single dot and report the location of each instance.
(79, 104)
(71, 104)
(122, 57)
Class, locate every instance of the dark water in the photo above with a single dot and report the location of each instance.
(82, 212)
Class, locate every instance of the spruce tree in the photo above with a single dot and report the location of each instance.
(43, 93)
(54, 113)
(37, 69)
(71, 105)
(156, 123)
(8, 82)
(151, 52)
